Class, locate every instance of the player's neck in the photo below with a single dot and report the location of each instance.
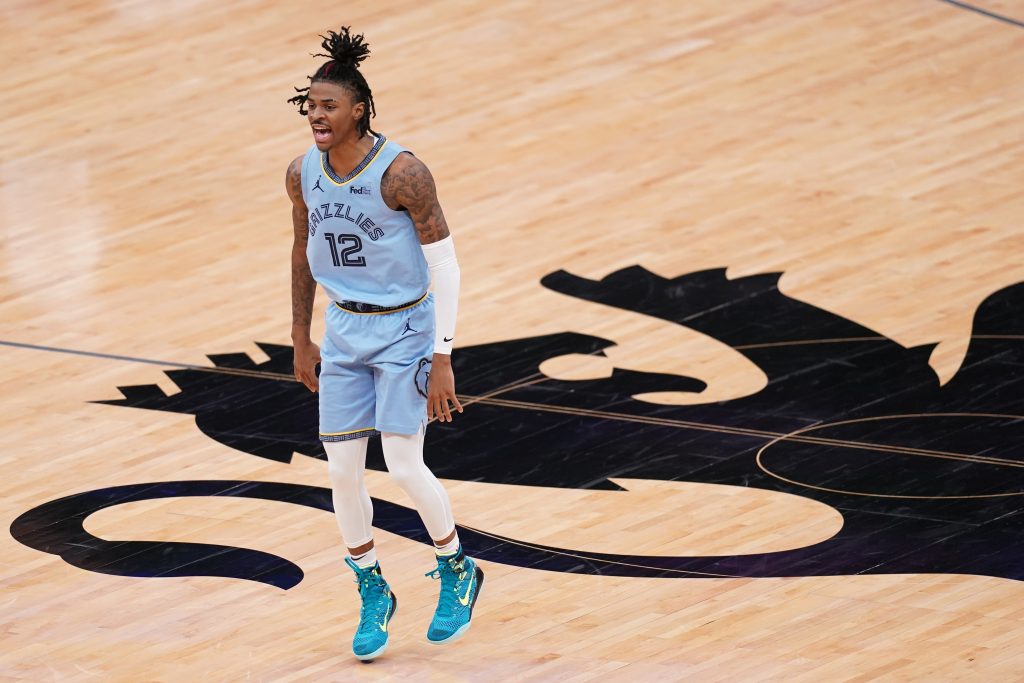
(348, 153)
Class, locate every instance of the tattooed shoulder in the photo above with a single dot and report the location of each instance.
(293, 182)
(408, 185)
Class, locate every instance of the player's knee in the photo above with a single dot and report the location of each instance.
(344, 475)
(405, 477)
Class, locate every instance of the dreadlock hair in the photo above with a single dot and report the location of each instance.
(345, 51)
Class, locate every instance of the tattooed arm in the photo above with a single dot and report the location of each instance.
(307, 354)
(408, 185)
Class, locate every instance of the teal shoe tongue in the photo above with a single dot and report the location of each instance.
(455, 560)
(363, 571)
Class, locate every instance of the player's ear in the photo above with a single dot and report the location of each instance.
(358, 110)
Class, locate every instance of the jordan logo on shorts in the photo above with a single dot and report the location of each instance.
(408, 328)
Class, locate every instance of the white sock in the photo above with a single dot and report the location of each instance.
(366, 560)
(449, 548)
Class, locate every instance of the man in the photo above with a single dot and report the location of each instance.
(370, 231)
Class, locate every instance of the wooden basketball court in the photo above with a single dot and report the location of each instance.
(738, 338)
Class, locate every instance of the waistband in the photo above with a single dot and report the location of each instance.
(372, 309)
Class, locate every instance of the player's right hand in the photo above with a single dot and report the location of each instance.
(307, 355)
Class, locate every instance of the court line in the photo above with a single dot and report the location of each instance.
(985, 12)
(579, 556)
(464, 400)
(261, 374)
(760, 465)
(848, 340)
(809, 342)
(765, 434)
(759, 459)
(242, 372)
(490, 399)
(149, 361)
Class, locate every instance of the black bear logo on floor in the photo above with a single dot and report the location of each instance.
(933, 481)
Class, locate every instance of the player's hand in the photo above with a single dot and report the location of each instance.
(441, 389)
(307, 355)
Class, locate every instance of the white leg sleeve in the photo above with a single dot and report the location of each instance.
(346, 462)
(404, 457)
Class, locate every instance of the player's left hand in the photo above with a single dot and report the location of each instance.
(441, 389)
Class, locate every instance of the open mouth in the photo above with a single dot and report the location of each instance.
(321, 133)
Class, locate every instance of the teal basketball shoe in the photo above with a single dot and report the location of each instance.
(461, 580)
(379, 605)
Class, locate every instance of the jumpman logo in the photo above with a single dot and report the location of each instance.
(408, 328)
(317, 186)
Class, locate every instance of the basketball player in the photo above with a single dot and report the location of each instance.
(369, 229)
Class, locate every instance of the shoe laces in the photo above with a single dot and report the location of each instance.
(452, 575)
(372, 590)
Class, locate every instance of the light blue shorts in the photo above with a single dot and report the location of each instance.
(373, 371)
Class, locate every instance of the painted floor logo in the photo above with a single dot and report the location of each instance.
(928, 478)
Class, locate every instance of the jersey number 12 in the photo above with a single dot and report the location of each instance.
(351, 245)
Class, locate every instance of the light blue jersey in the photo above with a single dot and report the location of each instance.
(374, 365)
(360, 249)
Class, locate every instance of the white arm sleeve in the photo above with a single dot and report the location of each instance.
(445, 269)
